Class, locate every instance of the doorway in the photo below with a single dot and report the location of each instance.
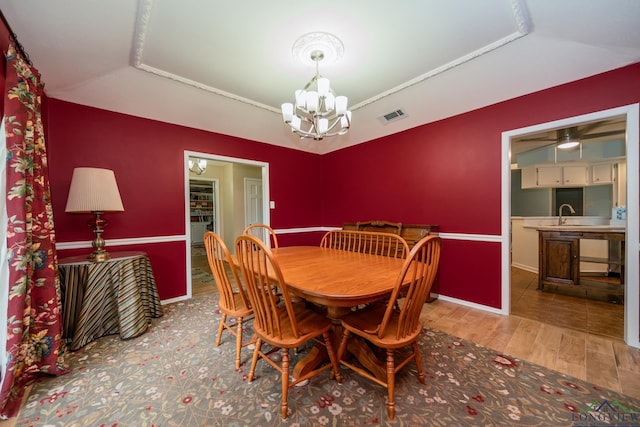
(226, 177)
(630, 116)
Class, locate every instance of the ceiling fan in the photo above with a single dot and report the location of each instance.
(572, 136)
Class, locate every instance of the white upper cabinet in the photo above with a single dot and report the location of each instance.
(574, 175)
(602, 173)
(549, 176)
(554, 176)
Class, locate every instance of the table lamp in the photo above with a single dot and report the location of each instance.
(94, 190)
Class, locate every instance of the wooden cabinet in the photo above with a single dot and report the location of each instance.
(559, 262)
(559, 255)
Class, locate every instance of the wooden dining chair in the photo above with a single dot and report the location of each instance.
(278, 322)
(233, 300)
(264, 233)
(396, 325)
(369, 242)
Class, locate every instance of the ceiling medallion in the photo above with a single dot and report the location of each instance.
(327, 43)
(317, 112)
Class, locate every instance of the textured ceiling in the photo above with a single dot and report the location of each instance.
(227, 66)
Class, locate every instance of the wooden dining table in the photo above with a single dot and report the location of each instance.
(338, 280)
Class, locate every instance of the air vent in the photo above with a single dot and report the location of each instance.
(392, 116)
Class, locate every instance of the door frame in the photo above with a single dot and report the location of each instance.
(632, 241)
(225, 159)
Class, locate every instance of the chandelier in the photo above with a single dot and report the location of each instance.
(198, 166)
(317, 112)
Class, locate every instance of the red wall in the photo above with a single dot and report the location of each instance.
(448, 173)
(147, 158)
(445, 173)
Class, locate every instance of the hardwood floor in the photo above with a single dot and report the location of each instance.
(595, 309)
(201, 278)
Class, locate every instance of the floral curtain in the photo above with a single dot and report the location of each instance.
(34, 327)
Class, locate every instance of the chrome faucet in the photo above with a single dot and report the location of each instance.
(561, 220)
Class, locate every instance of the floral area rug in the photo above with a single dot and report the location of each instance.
(174, 375)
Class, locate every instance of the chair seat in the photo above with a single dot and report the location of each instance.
(310, 325)
(366, 322)
(241, 309)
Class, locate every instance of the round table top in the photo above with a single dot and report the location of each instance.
(115, 256)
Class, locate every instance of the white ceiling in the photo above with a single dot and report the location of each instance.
(226, 66)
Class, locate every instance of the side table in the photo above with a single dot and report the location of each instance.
(105, 298)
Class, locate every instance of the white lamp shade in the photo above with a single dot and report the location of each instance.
(295, 123)
(323, 86)
(330, 102)
(287, 112)
(341, 104)
(93, 190)
(301, 98)
(323, 125)
(312, 101)
(345, 121)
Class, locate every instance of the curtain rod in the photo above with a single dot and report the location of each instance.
(14, 38)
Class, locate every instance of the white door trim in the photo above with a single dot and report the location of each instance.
(265, 196)
(632, 243)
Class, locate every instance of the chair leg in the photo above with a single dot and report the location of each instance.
(254, 359)
(332, 357)
(238, 342)
(391, 382)
(343, 345)
(285, 382)
(223, 319)
(418, 359)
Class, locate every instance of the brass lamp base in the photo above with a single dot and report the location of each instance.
(98, 256)
(98, 223)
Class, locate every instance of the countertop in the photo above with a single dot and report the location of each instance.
(579, 228)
